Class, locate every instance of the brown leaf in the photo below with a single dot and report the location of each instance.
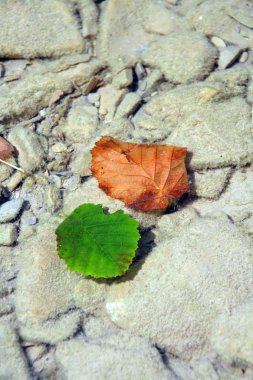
(145, 177)
(6, 149)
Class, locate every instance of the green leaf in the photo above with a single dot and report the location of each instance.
(97, 244)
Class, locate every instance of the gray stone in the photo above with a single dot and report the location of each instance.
(227, 19)
(128, 105)
(9, 210)
(12, 361)
(27, 143)
(34, 28)
(232, 334)
(37, 86)
(228, 56)
(8, 234)
(81, 123)
(187, 281)
(136, 360)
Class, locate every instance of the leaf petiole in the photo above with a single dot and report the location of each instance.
(13, 166)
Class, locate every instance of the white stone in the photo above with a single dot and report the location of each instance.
(12, 361)
(128, 105)
(228, 56)
(218, 42)
(9, 210)
(185, 283)
(94, 361)
(8, 234)
(232, 334)
(210, 183)
(89, 16)
(27, 143)
(123, 79)
(51, 331)
(81, 123)
(110, 97)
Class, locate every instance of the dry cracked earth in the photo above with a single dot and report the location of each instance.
(176, 72)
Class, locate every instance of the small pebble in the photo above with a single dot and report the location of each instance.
(9, 210)
(93, 97)
(59, 148)
(123, 79)
(128, 105)
(140, 70)
(8, 234)
(31, 219)
(14, 181)
(244, 57)
(228, 56)
(218, 42)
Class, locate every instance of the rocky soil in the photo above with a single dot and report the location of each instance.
(170, 71)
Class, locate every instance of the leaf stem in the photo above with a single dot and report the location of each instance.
(13, 166)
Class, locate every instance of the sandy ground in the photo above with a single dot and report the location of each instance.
(167, 71)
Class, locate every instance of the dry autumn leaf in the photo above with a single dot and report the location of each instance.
(6, 149)
(144, 176)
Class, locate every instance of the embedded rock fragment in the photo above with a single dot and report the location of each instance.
(81, 121)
